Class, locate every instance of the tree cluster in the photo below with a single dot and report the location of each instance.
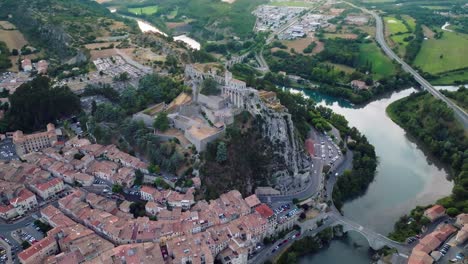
(36, 103)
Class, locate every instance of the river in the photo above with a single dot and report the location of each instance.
(147, 27)
(405, 177)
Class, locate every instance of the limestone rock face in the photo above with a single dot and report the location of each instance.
(278, 127)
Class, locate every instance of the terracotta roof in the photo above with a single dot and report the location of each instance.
(49, 184)
(23, 195)
(252, 200)
(436, 209)
(35, 248)
(264, 210)
(5, 208)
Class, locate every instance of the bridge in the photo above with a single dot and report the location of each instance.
(376, 240)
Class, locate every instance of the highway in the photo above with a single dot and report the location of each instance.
(460, 114)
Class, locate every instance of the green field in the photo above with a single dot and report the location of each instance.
(445, 54)
(381, 64)
(452, 78)
(395, 25)
(399, 39)
(411, 22)
(147, 10)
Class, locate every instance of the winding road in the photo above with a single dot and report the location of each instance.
(460, 114)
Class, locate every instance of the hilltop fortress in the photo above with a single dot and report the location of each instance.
(206, 116)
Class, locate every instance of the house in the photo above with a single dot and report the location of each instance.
(252, 201)
(462, 235)
(8, 212)
(42, 67)
(25, 201)
(419, 257)
(462, 219)
(49, 188)
(39, 251)
(359, 85)
(26, 64)
(435, 212)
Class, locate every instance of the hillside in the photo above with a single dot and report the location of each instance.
(207, 19)
(62, 27)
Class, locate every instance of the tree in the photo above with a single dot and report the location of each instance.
(25, 244)
(93, 107)
(221, 152)
(14, 52)
(36, 103)
(210, 87)
(138, 177)
(161, 122)
(292, 258)
(122, 77)
(153, 168)
(117, 188)
(452, 211)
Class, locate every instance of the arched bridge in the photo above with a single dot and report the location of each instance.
(376, 240)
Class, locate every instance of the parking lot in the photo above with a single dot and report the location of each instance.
(328, 151)
(7, 150)
(30, 233)
(285, 211)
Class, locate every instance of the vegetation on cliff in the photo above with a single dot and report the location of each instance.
(242, 160)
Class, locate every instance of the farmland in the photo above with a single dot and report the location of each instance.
(441, 55)
(13, 39)
(147, 10)
(394, 25)
(381, 65)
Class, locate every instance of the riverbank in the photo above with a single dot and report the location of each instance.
(401, 160)
(433, 124)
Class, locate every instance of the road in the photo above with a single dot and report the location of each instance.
(267, 254)
(460, 114)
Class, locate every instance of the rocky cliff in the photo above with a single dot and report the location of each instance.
(278, 127)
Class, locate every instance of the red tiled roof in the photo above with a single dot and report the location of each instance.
(34, 249)
(264, 210)
(46, 185)
(23, 195)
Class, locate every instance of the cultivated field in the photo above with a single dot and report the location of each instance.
(342, 67)
(341, 35)
(13, 39)
(147, 10)
(298, 44)
(445, 54)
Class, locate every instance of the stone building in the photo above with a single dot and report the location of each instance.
(33, 142)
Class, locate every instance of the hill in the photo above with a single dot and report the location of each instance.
(62, 27)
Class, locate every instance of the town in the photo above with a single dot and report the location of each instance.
(233, 131)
